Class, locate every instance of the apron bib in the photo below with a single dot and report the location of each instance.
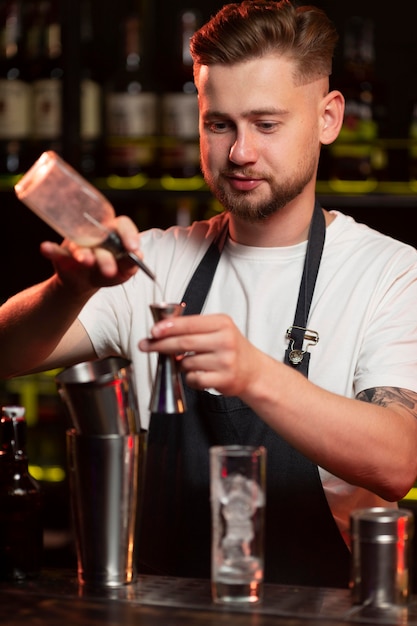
(303, 543)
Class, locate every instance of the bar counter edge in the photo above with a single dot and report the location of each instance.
(56, 598)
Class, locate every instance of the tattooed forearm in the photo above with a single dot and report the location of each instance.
(386, 396)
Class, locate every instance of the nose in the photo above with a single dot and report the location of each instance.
(243, 150)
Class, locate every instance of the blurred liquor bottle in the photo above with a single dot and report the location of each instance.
(412, 150)
(180, 156)
(35, 35)
(131, 109)
(35, 47)
(46, 441)
(356, 154)
(91, 113)
(15, 91)
(21, 525)
(47, 82)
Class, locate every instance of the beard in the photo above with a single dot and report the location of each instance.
(243, 204)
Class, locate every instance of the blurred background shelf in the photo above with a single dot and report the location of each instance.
(87, 39)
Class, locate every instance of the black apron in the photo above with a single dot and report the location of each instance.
(303, 543)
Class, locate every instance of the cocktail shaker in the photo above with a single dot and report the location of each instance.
(100, 397)
(106, 452)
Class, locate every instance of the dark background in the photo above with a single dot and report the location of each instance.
(395, 40)
(392, 213)
(396, 70)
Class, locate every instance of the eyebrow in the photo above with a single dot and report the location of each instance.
(251, 113)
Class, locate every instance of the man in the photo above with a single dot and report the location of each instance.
(341, 434)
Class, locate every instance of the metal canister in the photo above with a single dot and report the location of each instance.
(381, 556)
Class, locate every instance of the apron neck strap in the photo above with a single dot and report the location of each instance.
(200, 283)
(199, 286)
(294, 355)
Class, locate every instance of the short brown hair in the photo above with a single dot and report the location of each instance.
(253, 28)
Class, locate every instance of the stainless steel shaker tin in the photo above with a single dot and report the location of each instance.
(381, 556)
(105, 479)
(100, 397)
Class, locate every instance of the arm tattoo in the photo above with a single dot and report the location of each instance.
(386, 396)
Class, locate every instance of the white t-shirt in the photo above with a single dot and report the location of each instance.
(363, 308)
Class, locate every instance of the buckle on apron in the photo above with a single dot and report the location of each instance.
(310, 336)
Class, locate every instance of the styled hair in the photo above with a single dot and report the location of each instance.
(254, 28)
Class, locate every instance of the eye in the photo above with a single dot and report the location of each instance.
(217, 126)
(267, 126)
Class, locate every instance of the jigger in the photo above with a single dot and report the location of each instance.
(168, 392)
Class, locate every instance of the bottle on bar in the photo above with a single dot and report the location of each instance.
(47, 85)
(180, 155)
(21, 528)
(131, 110)
(356, 155)
(15, 90)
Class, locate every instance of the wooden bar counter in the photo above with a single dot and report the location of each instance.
(56, 599)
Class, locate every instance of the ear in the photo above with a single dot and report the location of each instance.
(333, 109)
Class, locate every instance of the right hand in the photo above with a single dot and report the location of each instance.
(88, 269)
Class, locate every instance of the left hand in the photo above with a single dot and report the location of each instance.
(212, 351)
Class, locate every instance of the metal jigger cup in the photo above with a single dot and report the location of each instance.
(168, 392)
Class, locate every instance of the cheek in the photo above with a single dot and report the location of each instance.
(294, 151)
(311, 131)
(306, 140)
(213, 149)
(204, 150)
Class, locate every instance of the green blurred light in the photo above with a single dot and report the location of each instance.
(411, 495)
(48, 474)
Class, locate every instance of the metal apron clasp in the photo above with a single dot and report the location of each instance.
(310, 336)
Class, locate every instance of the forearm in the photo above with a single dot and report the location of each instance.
(32, 324)
(365, 444)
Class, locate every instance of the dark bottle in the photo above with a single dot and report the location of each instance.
(47, 84)
(356, 154)
(412, 150)
(21, 530)
(14, 92)
(91, 114)
(36, 33)
(180, 153)
(131, 114)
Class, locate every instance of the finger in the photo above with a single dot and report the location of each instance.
(198, 380)
(128, 233)
(106, 262)
(50, 250)
(57, 252)
(170, 345)
(191, 324)
(202, 379)
(204, 361)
